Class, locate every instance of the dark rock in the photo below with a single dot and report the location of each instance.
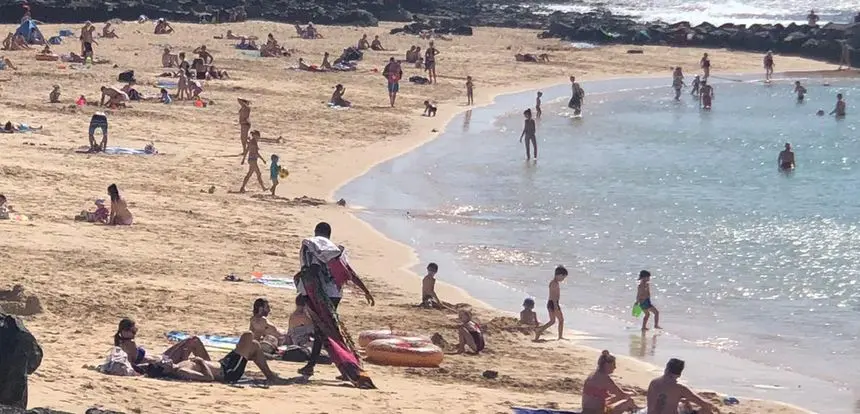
(357, 18)
(489, 374)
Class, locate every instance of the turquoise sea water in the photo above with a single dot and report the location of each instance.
(755, 272)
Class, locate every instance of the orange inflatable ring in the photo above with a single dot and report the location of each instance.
(366, 337)
(404, 352)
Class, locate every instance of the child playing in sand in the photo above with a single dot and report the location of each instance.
(165, 97)
(274, 172)
(643, 298)
(528, 316)
(429, 299)
(54, 96)
(470, 334)
(553, 305)
(537, 104)
(470, 91)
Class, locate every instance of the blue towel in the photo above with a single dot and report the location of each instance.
(66, 32)
(55, 40)
(521, 410)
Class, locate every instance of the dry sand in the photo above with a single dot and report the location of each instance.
(166, 270)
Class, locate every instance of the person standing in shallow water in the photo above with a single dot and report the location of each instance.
(577, 95)
(786, 158)
(707, 94)
(705, 63)
(800, 91)
(839, 110)
(768, 66)
(678, 82)
(530, 134)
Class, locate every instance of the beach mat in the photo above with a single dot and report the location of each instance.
(275, 281)
(211, 342)
(521, 410)
(113, 151)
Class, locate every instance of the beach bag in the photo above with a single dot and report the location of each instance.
(127, 76)
(20, 356)
(117, 363)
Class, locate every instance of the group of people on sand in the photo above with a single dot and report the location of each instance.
(251, 151)
(15, 41)
(118, 214)
(376, 45)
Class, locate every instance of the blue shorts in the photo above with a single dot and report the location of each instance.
(393, 87)
(98, 122)
(646, 304)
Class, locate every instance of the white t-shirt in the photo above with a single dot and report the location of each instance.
(321, 250)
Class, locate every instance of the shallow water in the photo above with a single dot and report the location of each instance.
(754, 271)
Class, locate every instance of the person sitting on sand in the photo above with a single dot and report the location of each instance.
(214, 73)
(247, 44)
(600, 394)
(116, 97)
(119, 213)
(101, 215)
(4, 209)
(311, 32)
(124, 338)
(528, 316)
(470, 334)
(165, 97)
(410, 55)
(228, 370)
(10, 128)
(204, 54)
(303, 65)
(376, 44)
(54, 96)
(15, 42)
(665, 393)
(7, 42)
(98, 121)
(132, 92)
(264, 331)
(162, 27)
(301, 327)
(337, 97)
(253, 154)
(325, 65)
(363, 44)
(429, 298)
(108, 32)
(169, 60)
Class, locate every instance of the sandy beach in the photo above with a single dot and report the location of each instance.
(166, 270)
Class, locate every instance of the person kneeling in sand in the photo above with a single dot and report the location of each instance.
(54, 96)
(229, 369)
(665, 393)
(116, 97)
(600, 394)
(470, 334)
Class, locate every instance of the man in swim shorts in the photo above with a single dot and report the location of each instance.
(553, 305)
(839, 110)
(429, 299)
(643, 298)
(800, 91)
(786, 158)
(98, 121)
(229, 369)
(393, 72)
(116, 97)
(665, 393)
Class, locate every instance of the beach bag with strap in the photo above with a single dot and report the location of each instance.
(323, 251)
(117, 363)
(20, 356)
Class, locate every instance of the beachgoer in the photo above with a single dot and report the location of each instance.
(429, 298)
(577, 96)
(229, 369)
(6, 63)
(183, 89)
(643, 298)
(469, 333)
(214, 73)
(393, 72)
(325, 65)
(108, 32)
(429, 109)
(4, 209)
(785, 160)
(101, 215)
(274, 172)
(162, 27)
(303, 65)
(845, 57)
(119, 213)
(800, 91)
(54, 96)
(124, 338)
(337, 97)
(169, 60)
(116, 97)
(244, 124)
(470, 91)
(707, 95)
(553, 305)
(538, 111)
(184, 66)
(600, 394)
(204, 54)
(677, 82)
(87, 40)
(98, 121)
(839, 110)
(812, 18)
(301, 327)
(768, 66)
(363, 44)
(376, 44)
(430, 61)
(264, 331)
(528, 316)
(705, 64)
(695, 85)
(165, 97)
(410, 55)
(529, 133)
(665, 393)
(333, 292)
(253, 154)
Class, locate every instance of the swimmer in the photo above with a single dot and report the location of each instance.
(839, 110)
(785, 160)
(529, 133)
(820, 112)
(799, 90)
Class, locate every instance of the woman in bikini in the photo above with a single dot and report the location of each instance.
(253, 156)
(124, 338)
(600, 394)
(119, 213)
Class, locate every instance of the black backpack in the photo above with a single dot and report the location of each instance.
(127, 76)
(20, 356)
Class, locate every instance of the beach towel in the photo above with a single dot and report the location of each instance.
(275, 281)
(521, 410)
(55, 40)
(167, 84)
(338, 343)
(336, 107)
(115, 151)
(211, 342)
(66, 32)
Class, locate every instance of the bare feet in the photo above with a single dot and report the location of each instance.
(242, 190)
(658, 327)
(644, 329)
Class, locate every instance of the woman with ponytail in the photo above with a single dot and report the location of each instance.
(600, 394)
